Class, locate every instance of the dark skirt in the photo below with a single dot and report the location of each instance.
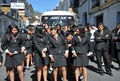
(14, 61)
(59, 60)
(29, 51)
(39, 61)
(80, 60)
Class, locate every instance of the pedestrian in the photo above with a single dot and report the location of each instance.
(28, 45)
(58, 53)
(13, 45)
(117, 40)
(80, 45)
(92, 30)
(41, 52)
(1, 58)
(70, 69)
(102, 48)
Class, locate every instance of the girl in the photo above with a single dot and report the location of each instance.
(28, 46)
(80, 50)
(13, 45)
(58, 53)
(41, 54)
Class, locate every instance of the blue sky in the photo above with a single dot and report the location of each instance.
(43, 5)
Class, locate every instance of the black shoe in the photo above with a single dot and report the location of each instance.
(7, 78)
(101, 73)
(118, 69)
(112, 66)
(109, 73)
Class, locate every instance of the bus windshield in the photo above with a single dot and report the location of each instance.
(53, 20)
(57, 17)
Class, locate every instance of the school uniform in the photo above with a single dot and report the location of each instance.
(118, 46)
(101, 48)
(57, 48)
(1, 59)
(28, 43)
(14, 45)
(40, 42)
(81, 47)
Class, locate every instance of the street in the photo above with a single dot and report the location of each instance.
(92, 73)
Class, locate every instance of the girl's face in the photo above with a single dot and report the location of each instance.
(86, 30)
(77, 31)
(29, 32)
(14, 31)
(69, 37)
(53, 32)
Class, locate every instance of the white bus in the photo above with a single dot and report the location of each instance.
(58, 17)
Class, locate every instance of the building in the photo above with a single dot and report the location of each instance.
(63, 5)
(6, 18)
(99, 11)
(94, 11)
(69, 5)
(20, 17)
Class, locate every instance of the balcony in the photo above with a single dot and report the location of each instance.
(98, 7)
(108, 3)
(94, 10)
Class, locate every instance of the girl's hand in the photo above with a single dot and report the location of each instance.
(44, 55)
(74, 55)
(66, 55)
(0, 64)
(52, 59)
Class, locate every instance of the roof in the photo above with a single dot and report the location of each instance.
(57, 13)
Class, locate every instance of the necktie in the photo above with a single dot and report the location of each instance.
(56, 38)
(79, 38)
(101, 32)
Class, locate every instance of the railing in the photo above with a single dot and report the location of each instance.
(109, 2)
(103, 6)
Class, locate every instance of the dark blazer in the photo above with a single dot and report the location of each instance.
(102, 43)
(57, 47)
(28, 41)
(83, 46)
(12, 45)
(118, 41)
(1, 59)
(40, 42)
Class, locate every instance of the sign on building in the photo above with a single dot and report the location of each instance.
(17, 6)
(5, 8)
(21, 12)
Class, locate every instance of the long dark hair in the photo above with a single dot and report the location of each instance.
(82, 32)
(14, 26)
(40, 30)
(9, 31)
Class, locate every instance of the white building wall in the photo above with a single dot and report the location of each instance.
(109, 16)
(82, 9)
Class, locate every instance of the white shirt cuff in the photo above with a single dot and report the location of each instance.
(50, 55)
(23, 48)
(73, 51)
(67, 51)
(6, 51)
(45, 49)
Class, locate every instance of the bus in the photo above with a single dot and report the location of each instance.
(53, 18)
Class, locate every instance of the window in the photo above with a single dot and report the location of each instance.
(74, 3)
(95, 3)
(118, 17)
